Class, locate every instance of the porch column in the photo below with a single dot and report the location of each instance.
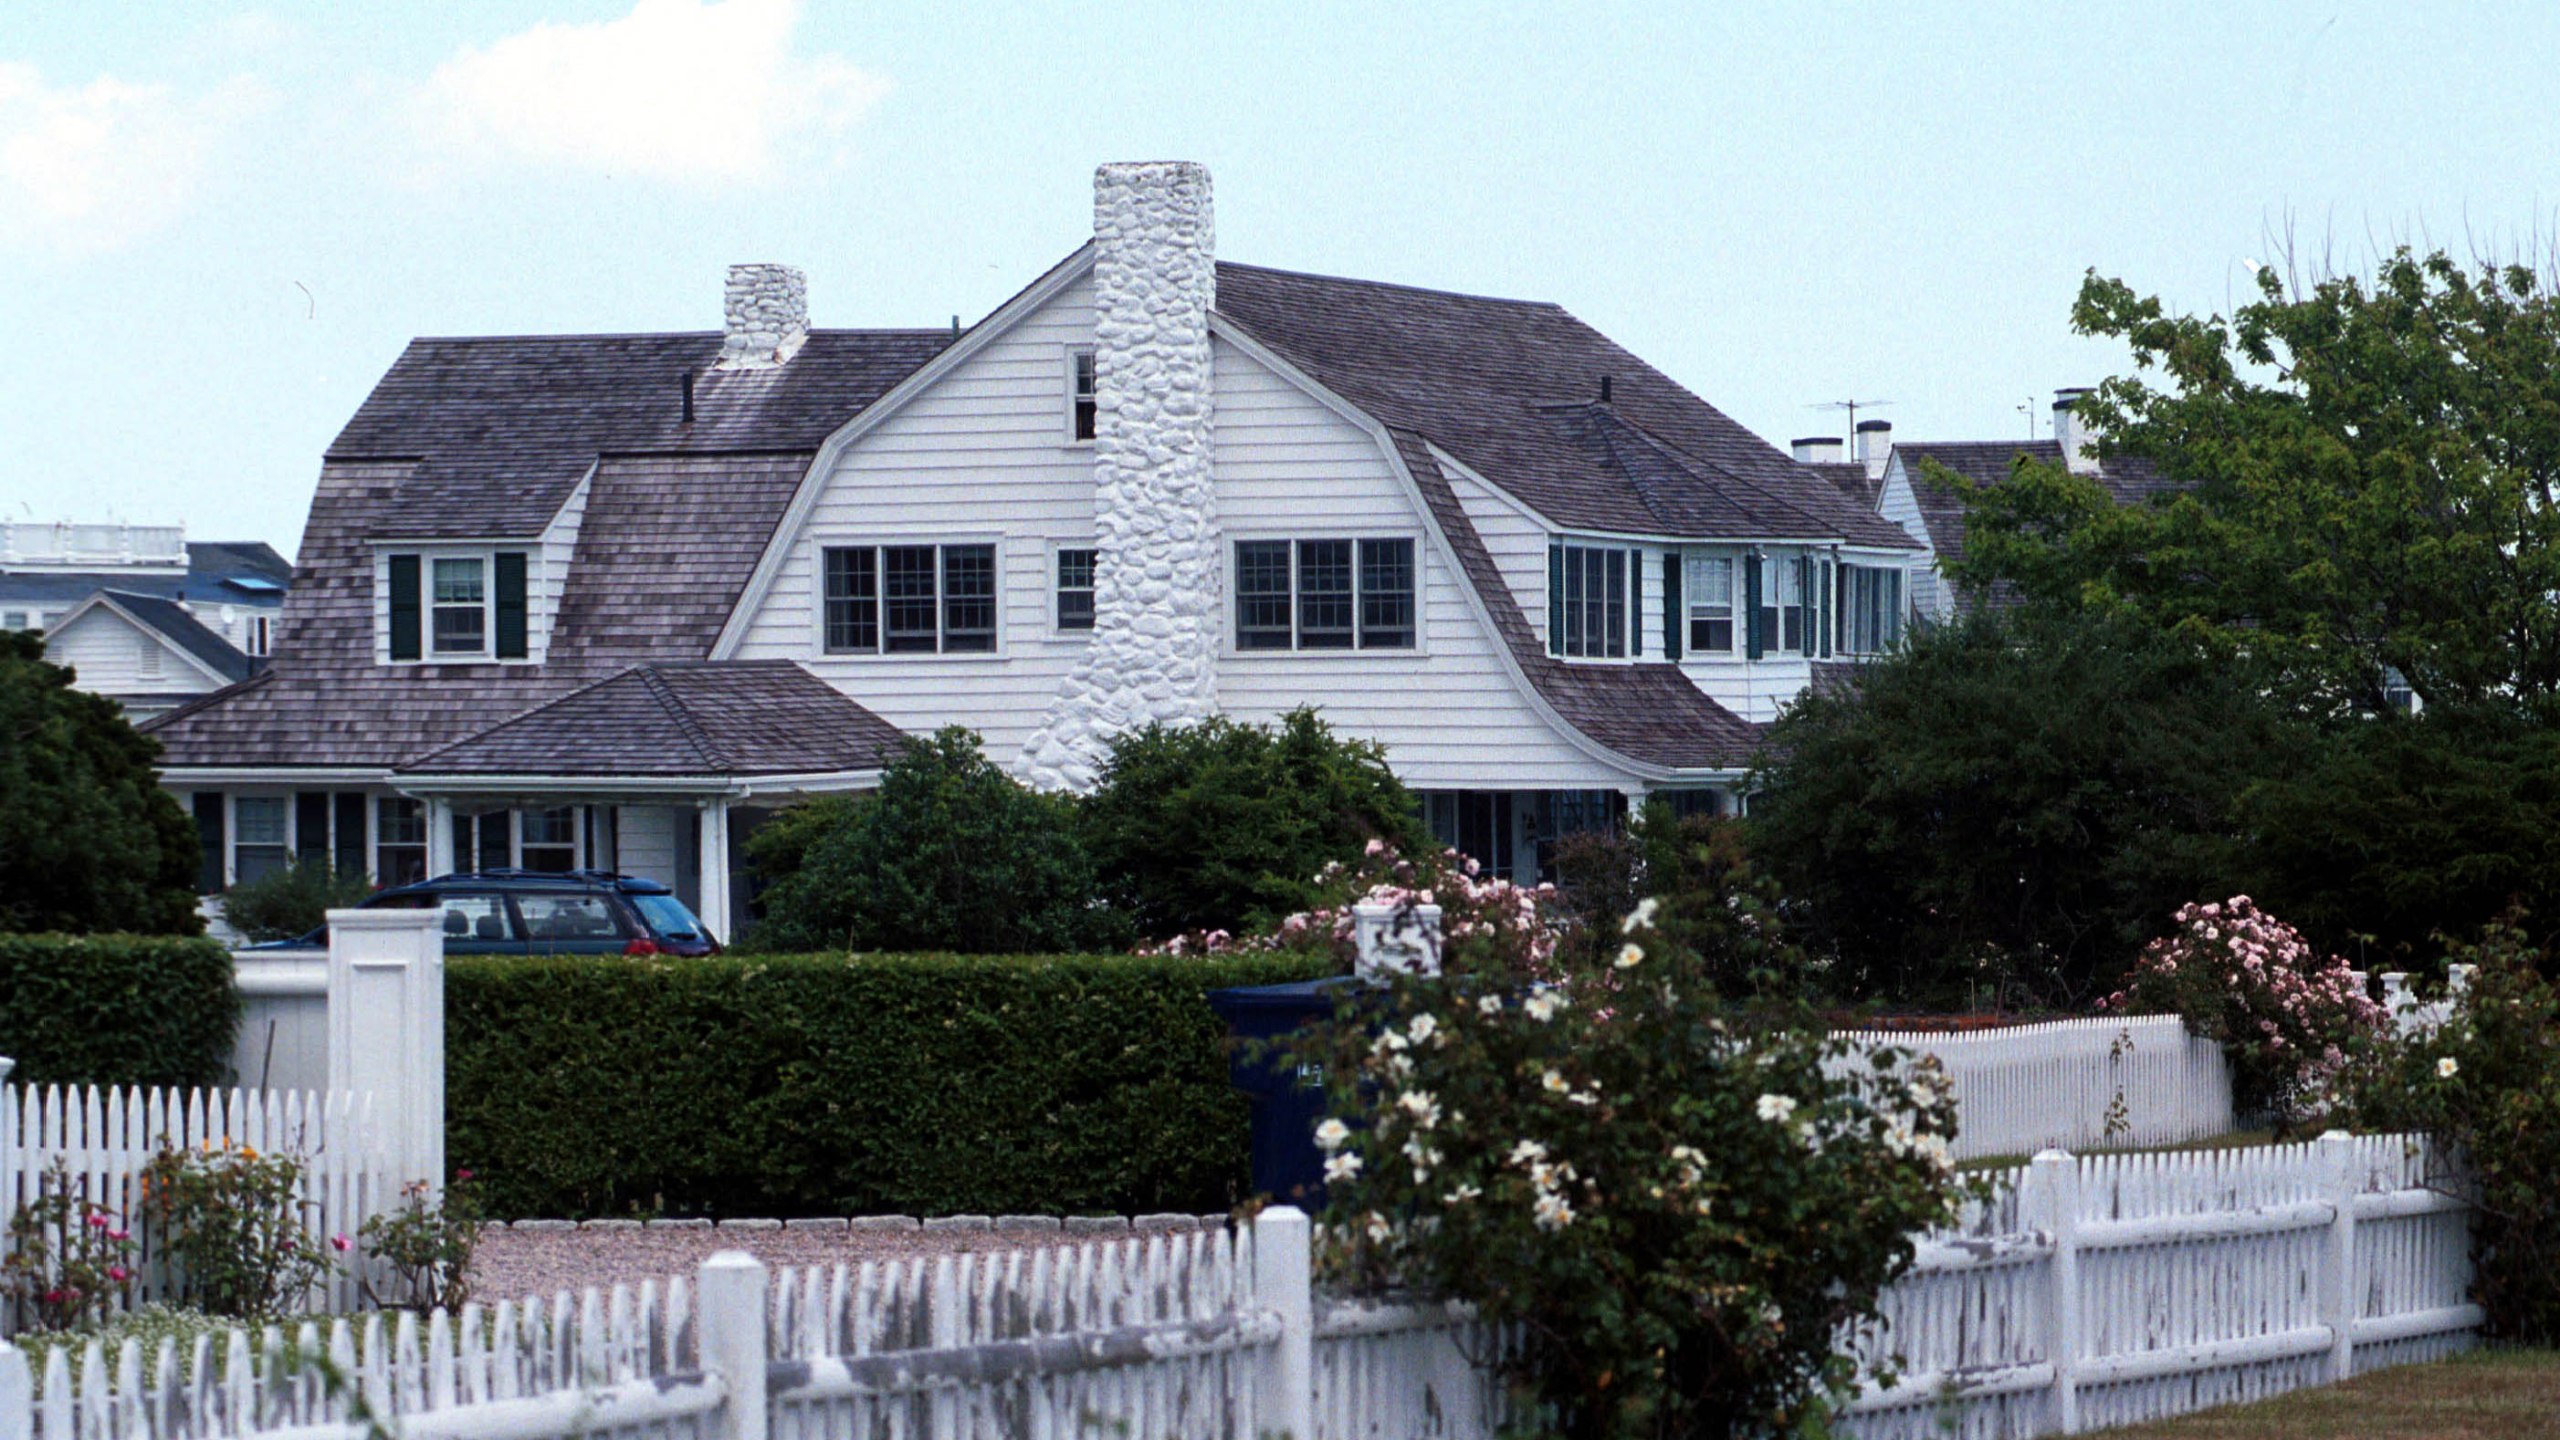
(439, 837)
(715, 868)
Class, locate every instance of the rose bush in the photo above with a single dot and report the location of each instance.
(229, 1221)
(2486, 1086)
(71, 1259)
(1516, 927)
(1681, 1206)
(2287, 1016)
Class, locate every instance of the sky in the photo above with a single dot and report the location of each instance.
(218, 226)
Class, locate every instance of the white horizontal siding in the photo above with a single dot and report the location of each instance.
(1516, 539)
(1896, 502)
(107, 650)
(981, 455)
(548, 574)
(1450, 716)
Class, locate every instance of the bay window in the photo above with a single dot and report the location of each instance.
(908, 599)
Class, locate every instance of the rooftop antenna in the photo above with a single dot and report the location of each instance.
(2029, 410)
(1853, 407)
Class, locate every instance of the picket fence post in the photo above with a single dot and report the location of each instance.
(1284, 1283)
(2338, 1266)
(2053, 1206)
(731, 1300)
(17, 1394)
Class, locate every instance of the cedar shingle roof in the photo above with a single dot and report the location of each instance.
(1511, 388)
(1850, 478)
(735, 717)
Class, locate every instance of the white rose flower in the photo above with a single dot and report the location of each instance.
(1489, 1005)
(1641, 918)
(1630, 955)
(1331, 1134)
(1528, 1152)
(1463, 1194)
(2447, 1068)
(1420, 1104)
(1777, 1109)
(1341, 1167)
(1553, 1212)
(1543, 1006)
(1379, 1230)
(1555, 1082)
(1422, 1028)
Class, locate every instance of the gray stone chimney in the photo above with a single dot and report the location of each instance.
(1819, 449)
(1875, 442)
(766, 308)
(2079, 453)
(1159, 580)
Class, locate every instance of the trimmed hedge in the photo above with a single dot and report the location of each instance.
(117, 1009)
(830, 1085)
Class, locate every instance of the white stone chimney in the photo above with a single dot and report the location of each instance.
(1875, 442)
(766, 309)
(1819, 449)
(2079, 453)
(1159, 580)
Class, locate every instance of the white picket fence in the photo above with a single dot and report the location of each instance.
(2109, 1289)
(2086, 1292)
(104, 1138)
(2123, 1081)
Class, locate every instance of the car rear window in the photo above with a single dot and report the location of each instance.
(568, 917)
(475, 917)
(667, 916)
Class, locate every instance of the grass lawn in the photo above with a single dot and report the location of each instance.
(2485, 1395)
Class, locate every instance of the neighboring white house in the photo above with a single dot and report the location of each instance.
(608, 600)
(146, 617)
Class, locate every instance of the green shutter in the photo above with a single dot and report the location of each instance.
(349, 847)
(1555, 599)
(1751, 646)
(209, 840)
(1635, 604)
(511, 644)
(404, 607)
(311, 828)
(1671, 605)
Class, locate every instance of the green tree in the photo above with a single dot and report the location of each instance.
(2367, 472)
(950, 854)
(2007, 809)
(1222, 825)
(88, 839)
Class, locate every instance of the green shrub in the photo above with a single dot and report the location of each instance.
(818, 1085)
(88, 839)
(116, 1009)
(230, 1225)
(2486, 1086)
(290, 903)
(949, 854)
(1223, 826)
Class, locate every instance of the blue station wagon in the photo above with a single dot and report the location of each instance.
(531, 912)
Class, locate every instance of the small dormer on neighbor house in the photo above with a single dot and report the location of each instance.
(143, 615)
(610, 601)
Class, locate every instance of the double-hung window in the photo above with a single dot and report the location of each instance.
(549, 841)
(1710, 596)
(260, 635)
(1081, 389)
(400, 841)
(450, 607)
(1325, 594)
(1588, 606)
(1075, 589)
(257, 837)
(909, 599)
(1870, 608)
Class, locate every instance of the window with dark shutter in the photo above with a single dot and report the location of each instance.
(1555, 599)
(510, 605)
(311, 828)
(1587, 588)
(1635, 603)
(406, 609)
(1671, 606)
(211, 843)
(347, 842)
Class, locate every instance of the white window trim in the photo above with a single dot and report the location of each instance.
(1636, 556)
(231, 828)
(1067, 396)
(1421, 646)
(487, 555)
(1049, 588)
(819, 653)
(1733, 559)
(260, 636)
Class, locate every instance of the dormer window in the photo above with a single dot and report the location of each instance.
(455, 606)
(1080, 396)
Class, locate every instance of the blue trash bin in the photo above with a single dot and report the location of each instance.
(1288, 1102)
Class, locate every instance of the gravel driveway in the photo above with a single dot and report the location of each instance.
(521, 1260)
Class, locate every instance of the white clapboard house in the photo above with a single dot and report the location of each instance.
(142, 615)
(610, 600)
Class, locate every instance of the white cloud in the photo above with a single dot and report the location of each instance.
(89, 168)
(676, 90)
